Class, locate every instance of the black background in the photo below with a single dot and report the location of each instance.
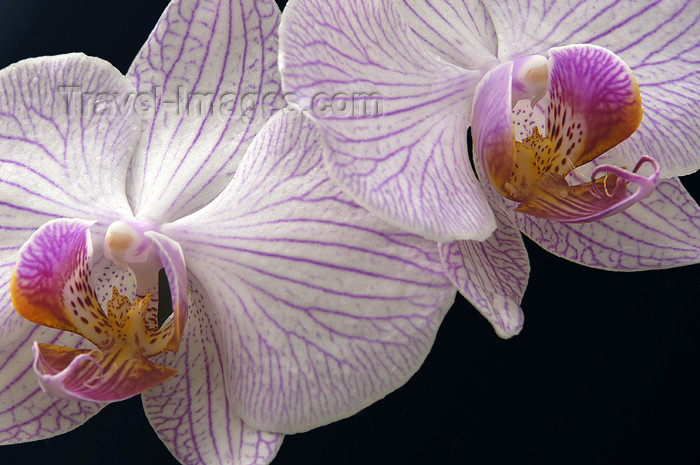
(603, 372)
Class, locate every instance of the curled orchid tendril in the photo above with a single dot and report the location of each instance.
(645, 183)
(645, 186)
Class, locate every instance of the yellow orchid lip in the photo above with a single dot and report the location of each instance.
(592, 103)
(51, 286)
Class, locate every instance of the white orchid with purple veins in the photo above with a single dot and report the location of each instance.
(292, 306)
(582, 114)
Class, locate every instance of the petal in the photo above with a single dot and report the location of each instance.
(662, 231)
(191, 413)
(65, 145)
(58, 161)
(394, 115)
(657, 40)
(459, 32)
(91, 375)
(322, 308)
(106, 276)
(51, 285)
(492, 275)
(207, 80)
(26, 412)
(670, 129)
(526, 28)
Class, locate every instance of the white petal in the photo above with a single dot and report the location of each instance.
(198, 74)
(460, 32)
(323, 309)
(394, 115)
(191, 412)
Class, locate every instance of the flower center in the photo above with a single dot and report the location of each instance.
(52, 286)
(584, 101)
(127, 246)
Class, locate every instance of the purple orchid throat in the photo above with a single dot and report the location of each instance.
(584, 102)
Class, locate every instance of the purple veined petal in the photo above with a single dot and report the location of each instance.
(526, 28)
(594, 102)
(64, 152)
(191, 413)
(173, 261)
(670, 129)
(393, 114)
(662, 231)
(492, 274)
(26, 412)
(322, 308)
(208, 80)
(658, 40)
(65, 144)
(459, 32)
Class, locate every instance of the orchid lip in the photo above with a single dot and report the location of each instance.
(646, 183)
(591, 103)
(645, 186)
(52, 286)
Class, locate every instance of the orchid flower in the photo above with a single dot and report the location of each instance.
(554, 94)
(292, 306)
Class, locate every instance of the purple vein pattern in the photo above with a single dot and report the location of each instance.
(459, 32)
(60, 155)
(492, 274)
(323, 308)
(212, 67)
(658, 39)
(407, 161)
(193, 414)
